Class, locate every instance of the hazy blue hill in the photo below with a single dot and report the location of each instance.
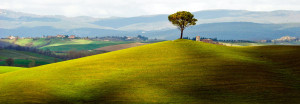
(120, 22)
(224, 24)
(44, 19)
(31, 32)
(227, 30)
(98, 32)
(232, 30)
(212, 14)
(47, 30)
(30, 19)
(6, 18)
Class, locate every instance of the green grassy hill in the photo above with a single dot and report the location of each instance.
(6, 69)
(180, 71)
(22, 58)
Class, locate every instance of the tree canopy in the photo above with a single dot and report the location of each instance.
(182, 20)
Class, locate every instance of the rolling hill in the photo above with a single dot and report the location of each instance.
(180, 71)
(6, 69)
(120, 46)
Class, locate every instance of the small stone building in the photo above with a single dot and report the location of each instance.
(198, 38)
(72, 37)
(11, 37)
(208, 41)
(60, 36)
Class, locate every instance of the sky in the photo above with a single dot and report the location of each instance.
(131, 8)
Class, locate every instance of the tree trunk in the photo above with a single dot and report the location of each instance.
(181, 33)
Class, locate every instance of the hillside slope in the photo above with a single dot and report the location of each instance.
(6, 69)
(120, 46)
(180, 71)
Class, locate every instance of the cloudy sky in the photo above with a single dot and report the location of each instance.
(130, 8)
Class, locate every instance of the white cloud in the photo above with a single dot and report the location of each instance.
(129, 8)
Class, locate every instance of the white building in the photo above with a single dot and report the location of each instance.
(11, 37)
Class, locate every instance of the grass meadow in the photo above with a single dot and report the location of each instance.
(180, 71)
(6, 69)
(22, 58)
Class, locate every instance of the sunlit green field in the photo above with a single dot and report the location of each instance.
(82, 45)
(180, 71)
(22, 58)
(58, 44)
(6, 69)
(39, 42)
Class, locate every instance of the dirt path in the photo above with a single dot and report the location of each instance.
(120, 46)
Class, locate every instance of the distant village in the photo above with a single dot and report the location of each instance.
(280, 40)
(216, 41)
(107, 38)
(143, 38)
(57, 36)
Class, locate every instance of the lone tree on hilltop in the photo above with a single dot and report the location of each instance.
(182, 20)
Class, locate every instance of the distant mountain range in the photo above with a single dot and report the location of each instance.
(223, 24)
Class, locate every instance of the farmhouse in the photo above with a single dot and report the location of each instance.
(60, 36)
(11, 37)
(50, 36)
(198, 38)
(72, 37)
(262, 41)
(286, 39)
(208, 41)
(128, 38)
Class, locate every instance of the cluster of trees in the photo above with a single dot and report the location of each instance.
(32, 63)
(9, 61)
(46, 52)
(194, 38)
(237, 41)
(216, 39)
(112, 38)
(144, 38)
(122, 38)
